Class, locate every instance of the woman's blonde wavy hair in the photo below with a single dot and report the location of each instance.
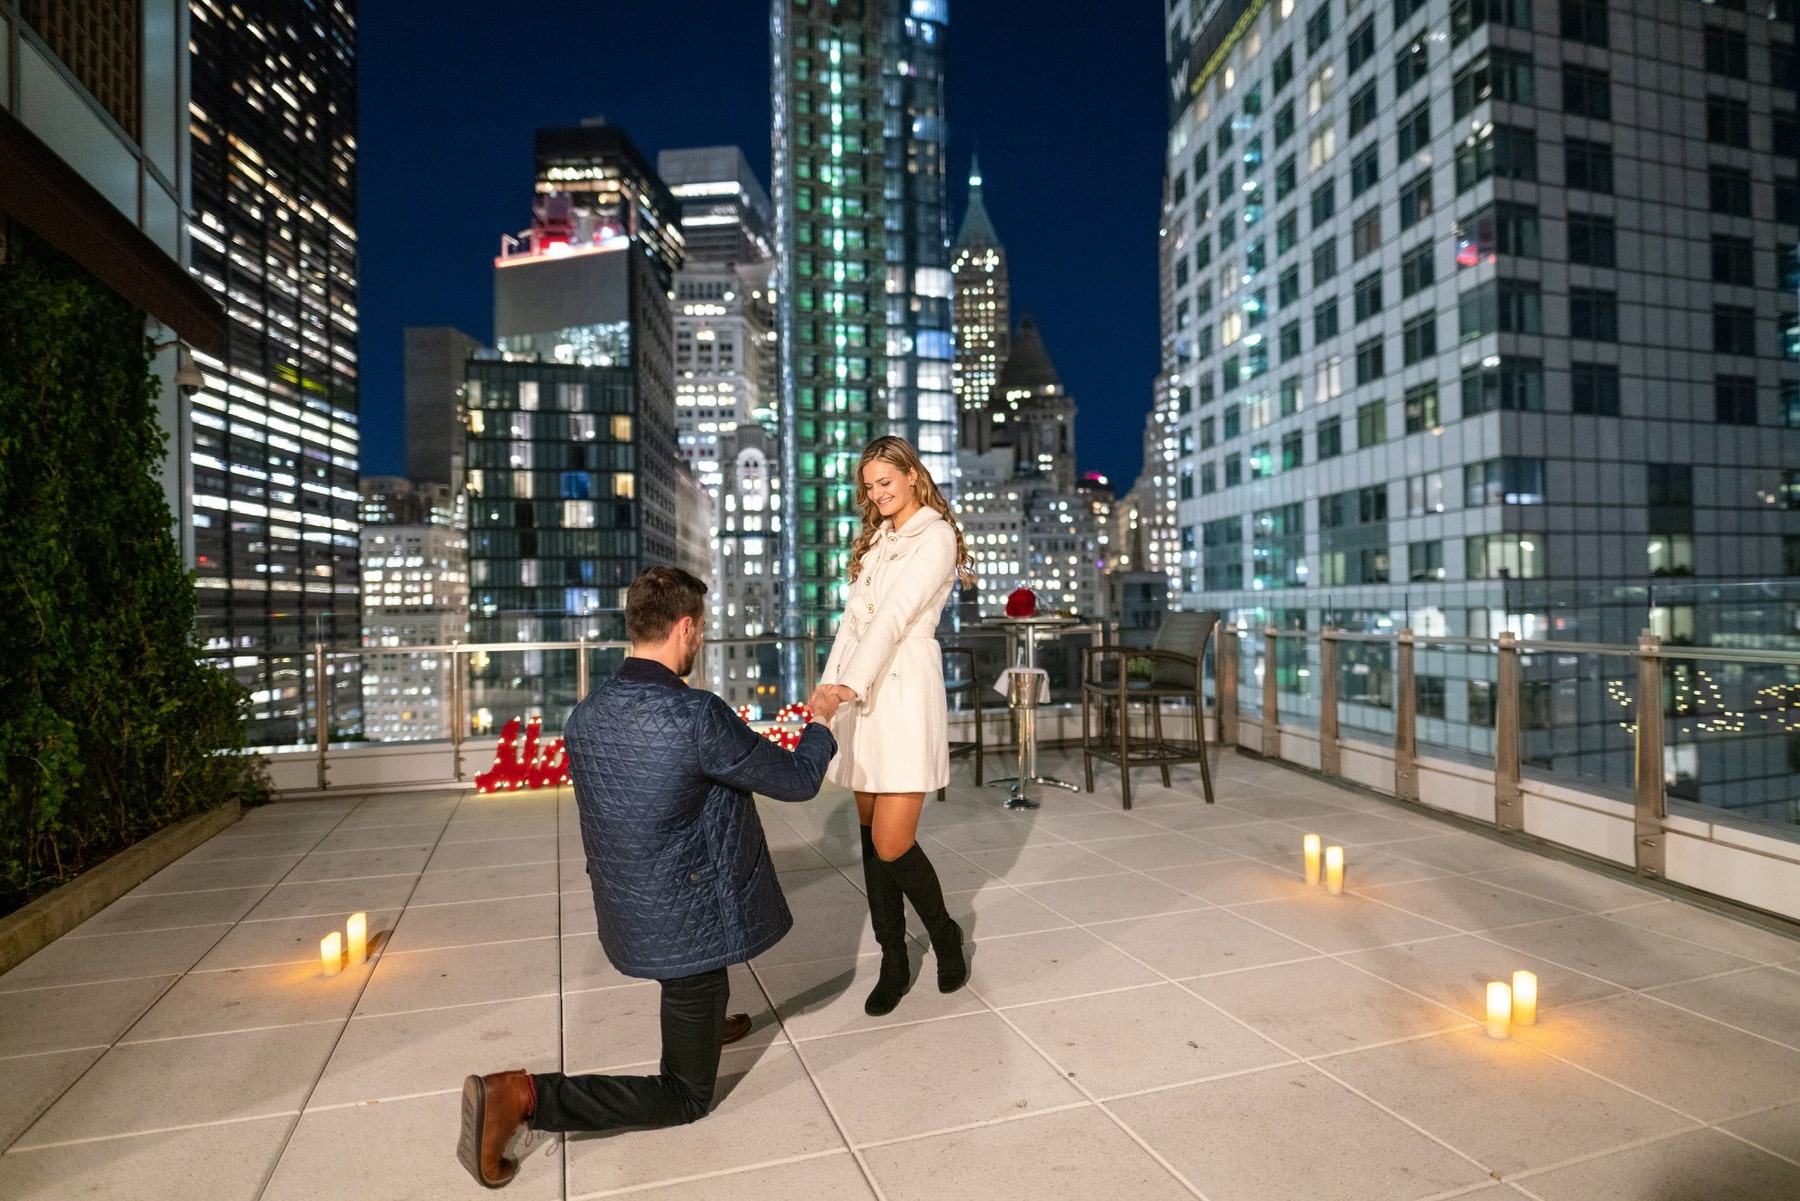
(898, 452)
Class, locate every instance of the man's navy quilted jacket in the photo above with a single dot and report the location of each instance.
(663, 775)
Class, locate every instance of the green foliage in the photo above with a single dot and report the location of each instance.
(110, 727)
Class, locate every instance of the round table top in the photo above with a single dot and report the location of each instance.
(1001, 623)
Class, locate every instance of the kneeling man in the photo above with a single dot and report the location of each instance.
(683, 884)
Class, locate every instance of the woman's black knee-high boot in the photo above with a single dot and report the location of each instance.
(887, 917)
(919, 881)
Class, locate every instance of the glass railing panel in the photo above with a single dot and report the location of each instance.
(1366, 690)
(507, 684)
(1731, 739)
(1455, 692)
(1250, 674)
(1297, 679)
(1577, 718)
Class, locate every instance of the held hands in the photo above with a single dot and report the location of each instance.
(826, 698)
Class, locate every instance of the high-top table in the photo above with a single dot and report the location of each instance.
(1024, 702)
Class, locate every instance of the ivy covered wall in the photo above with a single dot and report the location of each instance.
(110, 727)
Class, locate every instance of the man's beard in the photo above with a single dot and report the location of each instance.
(687, 660)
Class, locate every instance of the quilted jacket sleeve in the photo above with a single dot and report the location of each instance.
(733, 754)
(900, 603)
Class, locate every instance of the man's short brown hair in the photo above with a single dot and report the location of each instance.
(657, 599)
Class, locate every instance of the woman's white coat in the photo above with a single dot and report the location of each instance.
(886, 651)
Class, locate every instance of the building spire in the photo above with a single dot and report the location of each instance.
(976, 229)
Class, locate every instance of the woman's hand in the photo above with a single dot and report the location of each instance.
(839, 694)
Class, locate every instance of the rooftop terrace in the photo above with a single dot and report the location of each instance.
(1160, 1008)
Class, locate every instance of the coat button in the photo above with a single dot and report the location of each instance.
(694, 877)
(871, 608)
(893, 675)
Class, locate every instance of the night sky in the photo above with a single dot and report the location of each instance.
(1064, 101)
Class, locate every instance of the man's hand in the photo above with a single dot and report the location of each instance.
(826, 698)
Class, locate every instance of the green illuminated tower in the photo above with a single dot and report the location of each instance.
(863, 286)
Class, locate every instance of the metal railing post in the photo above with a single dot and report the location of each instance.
(321, 713)
(1406, 748)
(581, 668)
(1225, 678)
(458, 719)
(1330, 757)
(1509, 809)
(811, 676)
(1652, 803)
(1271, 699)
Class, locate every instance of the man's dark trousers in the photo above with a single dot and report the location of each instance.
(693, 1031)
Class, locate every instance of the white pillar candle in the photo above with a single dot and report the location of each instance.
(356, 937)
(1311, 845)
(331, 954)
(1499, 1010)
(1334, 870)
(1524, 998)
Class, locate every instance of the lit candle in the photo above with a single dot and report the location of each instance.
(356, 935)
(1524, 998)
(1311, 843)
(1499, 1011)
(331, 954)
(1334, 870)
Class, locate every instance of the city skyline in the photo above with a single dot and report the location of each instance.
(424, 259)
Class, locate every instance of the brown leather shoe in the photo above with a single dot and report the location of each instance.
(493, 1109)
(736, 1026)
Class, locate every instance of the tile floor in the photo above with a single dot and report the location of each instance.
(1160, 1008)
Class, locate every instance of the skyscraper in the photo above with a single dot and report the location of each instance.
(921, 349)
(723, 317)
(982, 309)
(1479, 316)
(437, 358)
(863, 298)
(725, 406)
(572, 473)
(273, 236)
(1030, 414)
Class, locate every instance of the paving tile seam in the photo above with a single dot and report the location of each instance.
(73, 936)
(1487, 1170)
(112, 1138)
(186, 892)
(235, 1030)
(1748, 1141)
(227, 927)
(812, 1078)
(1705, 946)
(1518, 1179)
(464, 946)
(1640, 1094)
(357, 1015)
(54, 985)
(55, 1051)
(521, 896)
(1593, 974)
(985, 1123)
(1235, 1074)
(1185, 985)
(905, 1024)
(365, 1102)
(1074, 1082)
(1651, 996)
(325, 1064)
(720, 1174)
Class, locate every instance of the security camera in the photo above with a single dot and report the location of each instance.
(187, 373)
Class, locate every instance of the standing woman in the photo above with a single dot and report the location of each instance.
(893, 745)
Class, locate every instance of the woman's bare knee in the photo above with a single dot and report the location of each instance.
(896, 823)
